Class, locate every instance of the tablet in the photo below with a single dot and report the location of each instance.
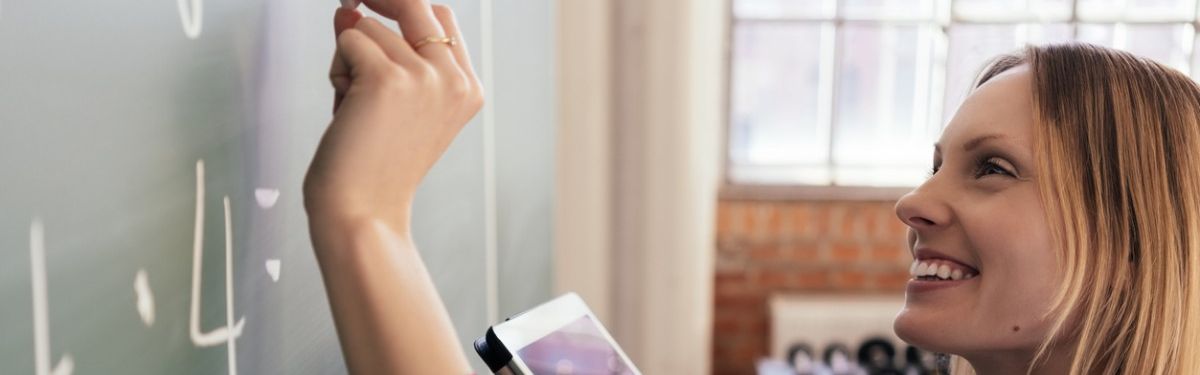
(557, 337)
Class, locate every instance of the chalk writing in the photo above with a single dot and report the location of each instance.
(41, 324)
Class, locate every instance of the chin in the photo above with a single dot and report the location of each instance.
(926, 332)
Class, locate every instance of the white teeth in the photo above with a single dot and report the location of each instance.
(943, 271)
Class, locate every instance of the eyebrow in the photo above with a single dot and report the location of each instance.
(973, 143)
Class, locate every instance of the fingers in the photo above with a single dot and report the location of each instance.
(339, 77)
(339, 73)
(445, 16)
(344, 19)
(392, 44)
(361, 53)
(417, 22)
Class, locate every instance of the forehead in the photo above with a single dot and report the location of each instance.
(1002, 106)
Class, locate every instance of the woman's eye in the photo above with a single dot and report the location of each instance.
(988, 166)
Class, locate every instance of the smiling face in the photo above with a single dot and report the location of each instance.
(980, 211)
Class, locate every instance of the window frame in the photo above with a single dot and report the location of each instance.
(947, 14)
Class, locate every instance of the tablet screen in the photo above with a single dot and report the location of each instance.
(576, 348)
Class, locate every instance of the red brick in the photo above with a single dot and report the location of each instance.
(803, 253)
(775, 278)
(765, 247)
(812, 280)
(723, 352)
(884, 220)
(748, 299)
(867, 220)
(765, 253)
(772, 224)
(738, 355)
(730, 262)
(732, 341)
(887, 253)
(754, 221)
(746, 228)
(894, 280)
(798, 221)
(728, 324)
(852, 222)
(733, 328)
(813, 216)
(727, 217)
(896, 228)
(845, 253)
(850, 279)
(831, 215)
(729, 246)
(731, 278)
(731, 284)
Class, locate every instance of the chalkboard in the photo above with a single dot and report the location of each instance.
(151, 157)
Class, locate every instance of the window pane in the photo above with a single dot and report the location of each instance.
(778, 114)
(885, 121)
(1169, 44)
(974, 45)
(824, 9)
(889, 9)
(868, 114)
(1137, 10)
(1019, 10)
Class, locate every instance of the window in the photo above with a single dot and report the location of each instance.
(855, 92)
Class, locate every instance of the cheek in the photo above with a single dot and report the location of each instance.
(1020, 274)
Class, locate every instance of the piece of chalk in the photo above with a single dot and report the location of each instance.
(350, 4)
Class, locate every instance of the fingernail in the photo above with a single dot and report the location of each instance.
(350, 4)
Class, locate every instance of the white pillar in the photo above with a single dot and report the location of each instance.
(641, 113)
(669, 107)
(583, 178)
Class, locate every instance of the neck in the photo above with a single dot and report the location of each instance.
(1056, 361)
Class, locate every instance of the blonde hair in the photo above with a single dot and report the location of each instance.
(1117, 140)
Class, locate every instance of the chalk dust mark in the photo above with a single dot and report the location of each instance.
(266, 198)
(273, 269)
(145, 297)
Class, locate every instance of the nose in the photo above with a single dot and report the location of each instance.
(924, 209)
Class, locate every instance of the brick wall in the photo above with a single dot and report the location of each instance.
(765, 247)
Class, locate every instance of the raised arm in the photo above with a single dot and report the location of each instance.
(396, 110)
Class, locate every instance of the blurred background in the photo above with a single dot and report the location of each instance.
(794, 125)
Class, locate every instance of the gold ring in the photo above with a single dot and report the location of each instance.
(450, 41)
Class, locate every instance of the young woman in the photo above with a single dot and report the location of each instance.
(1064, 206)
(1066, 191)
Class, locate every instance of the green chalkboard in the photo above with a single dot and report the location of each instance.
(151, 155)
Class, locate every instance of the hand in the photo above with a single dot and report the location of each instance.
(396, 110)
